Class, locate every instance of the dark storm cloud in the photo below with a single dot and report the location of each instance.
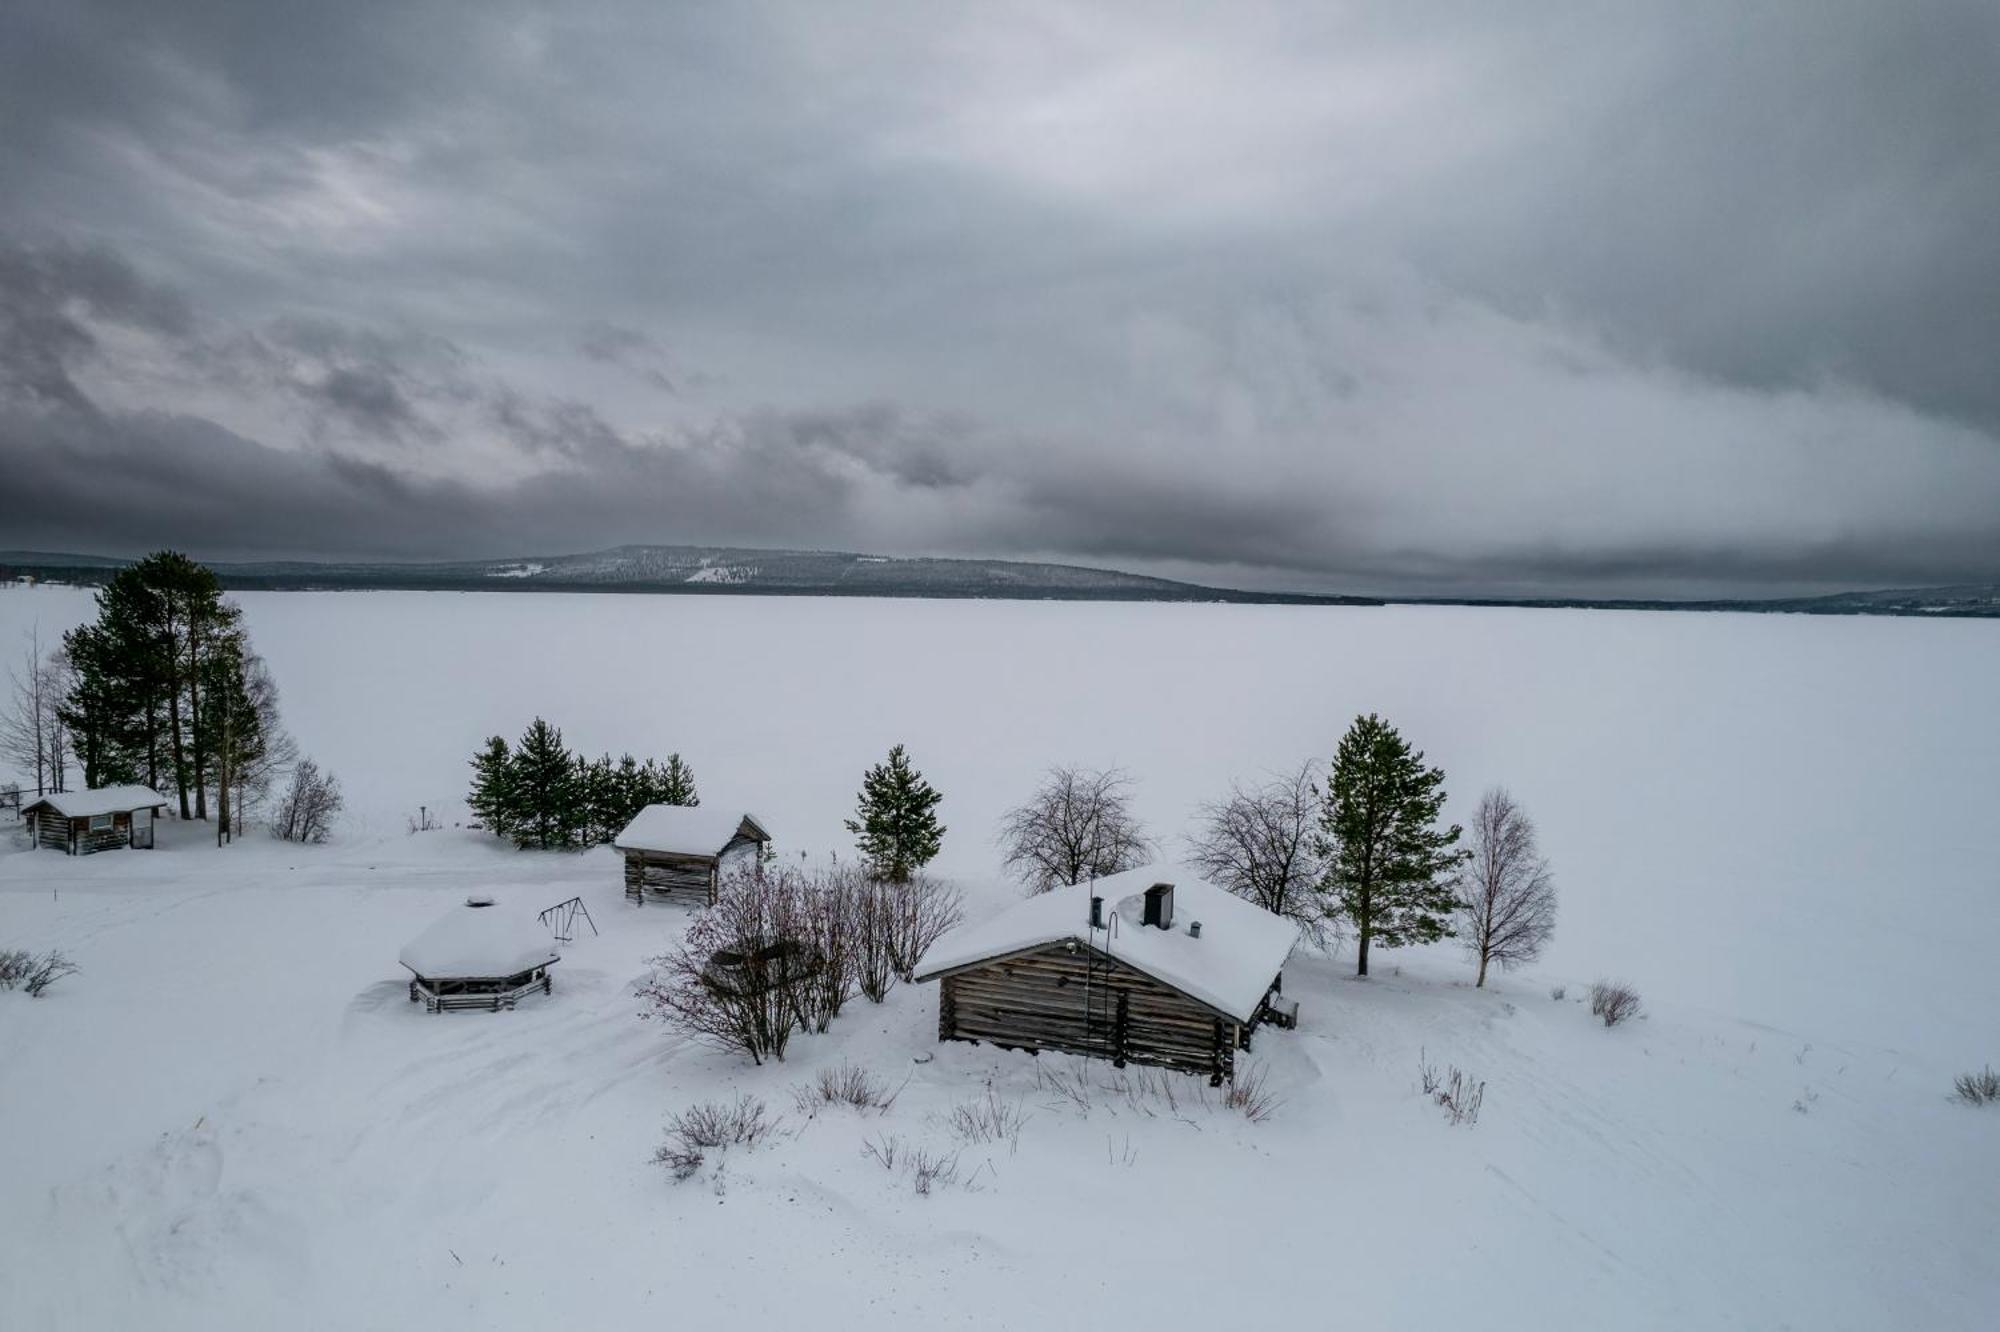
(1445, 295)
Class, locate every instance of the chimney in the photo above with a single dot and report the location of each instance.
(1160, 906)
(1096, 913)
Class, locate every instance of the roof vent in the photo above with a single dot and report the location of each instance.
(1160, 906)
(1194, 929)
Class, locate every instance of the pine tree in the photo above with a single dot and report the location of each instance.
(541, 808)
(492, 784)
(895, 823)
(1389, 865)
(673, 783)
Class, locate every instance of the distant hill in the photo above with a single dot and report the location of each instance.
(698, 569)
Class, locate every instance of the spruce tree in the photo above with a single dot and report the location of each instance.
(675, 784)
(895, 823)
(1389, 865)
(492, 783)
(542, 791)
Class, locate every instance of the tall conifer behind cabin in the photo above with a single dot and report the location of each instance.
(1389, 865)
(895, 824)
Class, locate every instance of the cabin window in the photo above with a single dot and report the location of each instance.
(100, 823)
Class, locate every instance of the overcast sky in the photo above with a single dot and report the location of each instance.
(1679, 297)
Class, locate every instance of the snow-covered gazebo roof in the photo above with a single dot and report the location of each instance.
(689, 830)
(98, 800)
(1228, 966)
(480, 942)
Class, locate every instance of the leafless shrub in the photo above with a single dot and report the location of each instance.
(850, 1085)
(1070, 1084)
(1507, 898)
(872, 908)
(920, 912)
(306, 811)
(1455, 1090)
(988, 1119)
(45, 971)
(735, 980)
(1981, 1088)
(1261, 844)
(884, 1151)
(1613, 1002)
(1249, 1094)
(825, 908)
(1558, 992)
(927, 1170)
(15, 965)
(1077, 825)
(712, 1126)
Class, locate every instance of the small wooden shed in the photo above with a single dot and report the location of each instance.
(106, 818)
(680, 852)
(1152, 966)
(480, 955)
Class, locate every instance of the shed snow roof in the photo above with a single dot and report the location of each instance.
(489, 941)
(101, 800)
(1229, 968)
(687, 830)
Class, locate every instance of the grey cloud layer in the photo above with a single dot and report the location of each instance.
(1549, 297)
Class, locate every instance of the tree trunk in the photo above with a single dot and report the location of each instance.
(194, 721)
(1362, 970)
(1481, 982)
(179, 748)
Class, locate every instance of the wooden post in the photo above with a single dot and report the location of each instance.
(1118, 1032)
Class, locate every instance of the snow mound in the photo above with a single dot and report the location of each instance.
(472, 941)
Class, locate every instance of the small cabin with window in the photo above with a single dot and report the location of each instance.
(679, 853)
(108, 818)
(1151, 966)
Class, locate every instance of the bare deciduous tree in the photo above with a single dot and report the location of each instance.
(1261, 844)
(1507, 906)
(733, 980)
(305, 813)
(1078, 825)
(33, 737)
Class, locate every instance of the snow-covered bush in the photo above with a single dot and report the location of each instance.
(1613, 1002)
(306, 812)
(1981, 1088)
(850, 1084)
(712, 1126)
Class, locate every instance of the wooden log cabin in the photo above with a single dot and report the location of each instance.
(107, 818)
(1152, 966)
(679, 853)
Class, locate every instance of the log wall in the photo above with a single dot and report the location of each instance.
(689, 880)
(1085, 1003)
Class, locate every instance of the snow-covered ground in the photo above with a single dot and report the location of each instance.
(1777, 828)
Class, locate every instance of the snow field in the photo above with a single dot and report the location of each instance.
(1774, 827)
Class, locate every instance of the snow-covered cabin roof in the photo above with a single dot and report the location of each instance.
(483, 942)
(99, 800)
(688, 830)
(1229, 968)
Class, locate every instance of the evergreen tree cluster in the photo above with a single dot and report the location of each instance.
(163, 688)
(539, 794)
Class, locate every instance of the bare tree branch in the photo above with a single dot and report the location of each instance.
(1078, 825)
(1261, 844)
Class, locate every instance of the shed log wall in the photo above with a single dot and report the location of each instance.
(1037, 1001)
